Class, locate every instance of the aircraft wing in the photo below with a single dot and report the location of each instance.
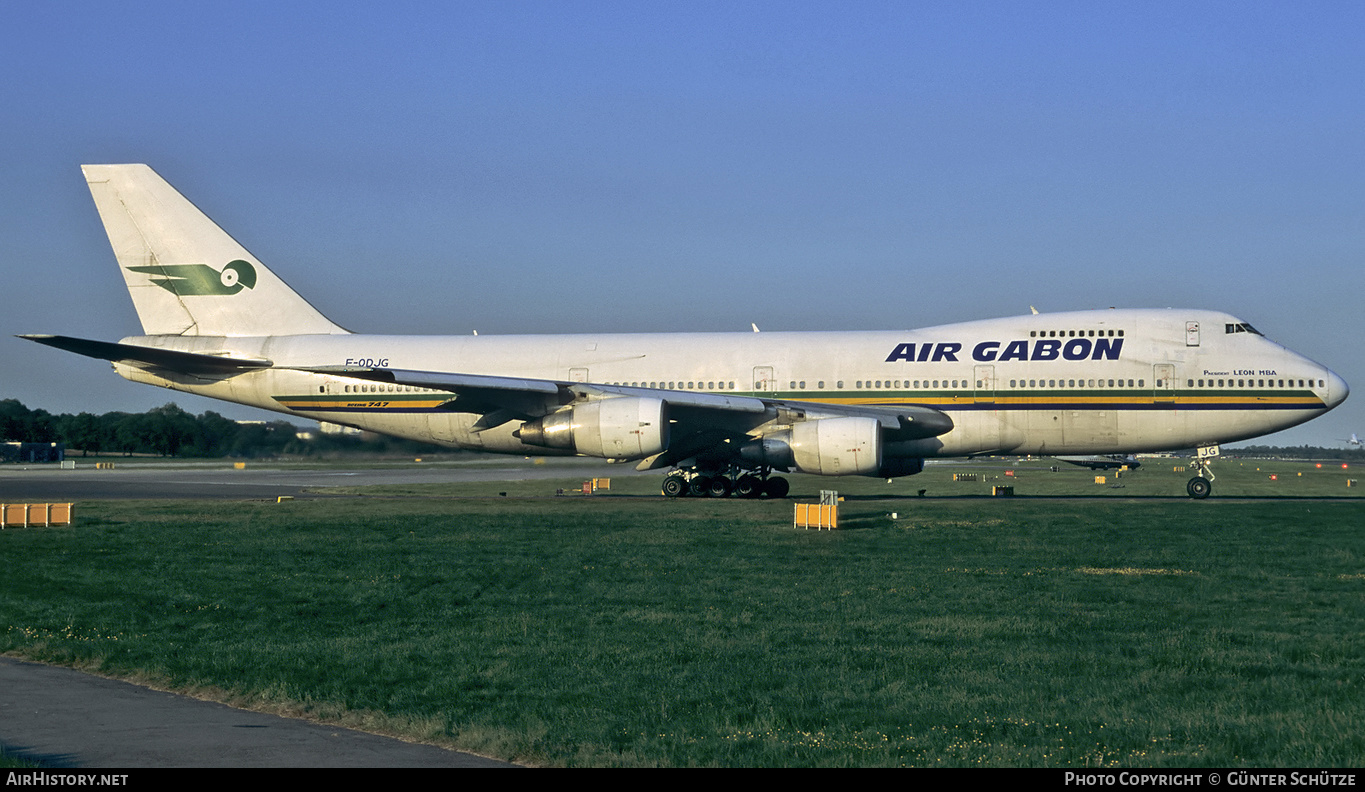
(197, 363)
(703, 419)
(1102, 461)
(502, 399)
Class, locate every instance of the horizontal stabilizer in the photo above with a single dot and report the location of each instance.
(183, 362)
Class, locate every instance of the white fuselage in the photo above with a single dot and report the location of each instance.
(1115, 381)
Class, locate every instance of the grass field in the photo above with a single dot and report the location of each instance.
(1133, 627)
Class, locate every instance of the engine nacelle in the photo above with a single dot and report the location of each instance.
(900, 466)
(621, 428)
(827, 447)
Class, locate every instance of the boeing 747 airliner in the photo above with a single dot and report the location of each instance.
(722, 411)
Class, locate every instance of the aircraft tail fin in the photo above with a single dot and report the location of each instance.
(185, 274)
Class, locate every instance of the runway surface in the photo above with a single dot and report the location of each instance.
(218, 479)
(61, 718)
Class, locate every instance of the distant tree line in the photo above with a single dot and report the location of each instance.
(172, 432)
(1345, 454)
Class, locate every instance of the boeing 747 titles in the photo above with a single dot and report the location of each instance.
(722, 412)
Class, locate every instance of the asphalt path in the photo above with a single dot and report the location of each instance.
(62, 718)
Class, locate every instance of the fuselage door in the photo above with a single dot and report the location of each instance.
(764, 379)
(578, 375)
(1191, 334)
(1163, 383)
(984, 392)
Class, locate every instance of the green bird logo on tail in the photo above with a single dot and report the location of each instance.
(201, 279)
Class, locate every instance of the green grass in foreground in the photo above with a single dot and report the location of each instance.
(636, 631)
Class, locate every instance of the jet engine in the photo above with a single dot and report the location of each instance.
(893, 467)
(621, 428)
(828, 447)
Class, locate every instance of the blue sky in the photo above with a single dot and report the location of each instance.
(567, 167)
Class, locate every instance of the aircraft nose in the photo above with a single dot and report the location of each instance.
(1337, 390)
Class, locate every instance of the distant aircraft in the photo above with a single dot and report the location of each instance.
(1353, 440)
(723, 411)
(1103, 461)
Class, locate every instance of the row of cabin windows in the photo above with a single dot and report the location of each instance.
(1094, 383)
(1074, 333)
(380, 389)
(861, 384)
(908, 383)
(679, 385)
(1257, 383)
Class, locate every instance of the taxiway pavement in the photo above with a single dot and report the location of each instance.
(62, 718)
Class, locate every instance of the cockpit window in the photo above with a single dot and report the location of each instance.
(1241, 327)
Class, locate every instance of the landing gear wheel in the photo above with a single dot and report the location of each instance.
(776, 487)
(675, 486)
(748, 486)
(701, 486)
(1199, 488)
(719, 488)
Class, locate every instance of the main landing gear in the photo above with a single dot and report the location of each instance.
(1201, 485)
(723, 484)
